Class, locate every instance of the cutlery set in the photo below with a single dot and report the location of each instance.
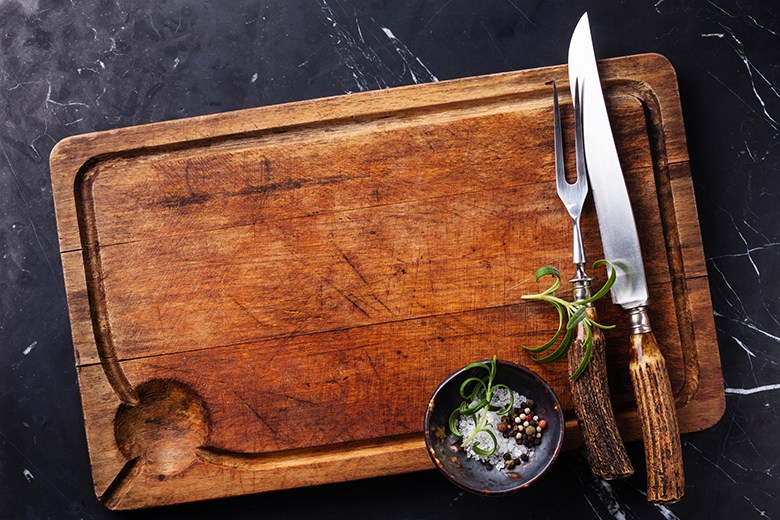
(597, 154)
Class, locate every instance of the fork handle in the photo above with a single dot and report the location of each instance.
(603, 446)
(655, 404)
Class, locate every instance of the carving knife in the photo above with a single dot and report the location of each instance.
(652, 389)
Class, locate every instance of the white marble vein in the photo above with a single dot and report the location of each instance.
(97, 99)
(26, 205)
(368, 69)
(666, 512)
(744, 347)
(746, 323)
(755, 390)
(724, 85)
(707, 459)
(49, 100)
(438, 11)
(410, 60)
(760, 26)
(592, 507)
(608, 497)
(352, 54)
(719, 8)
(523, 12)
(759, 511)
(29, 348)
(739, 48)
(750, 356)
(741, 310)
(495, 44)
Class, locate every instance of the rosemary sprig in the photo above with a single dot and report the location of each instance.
(482, 391)
(575, 314)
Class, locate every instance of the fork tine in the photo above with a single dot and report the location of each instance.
(572, 195)
(579, 139)
(560, 168)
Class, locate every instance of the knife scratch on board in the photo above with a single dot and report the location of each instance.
(257, 414)
(350, 298)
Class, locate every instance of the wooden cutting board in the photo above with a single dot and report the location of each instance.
(267, 299)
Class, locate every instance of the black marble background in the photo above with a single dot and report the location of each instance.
(69, 67)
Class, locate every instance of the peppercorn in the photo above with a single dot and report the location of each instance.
(543, 424)
(530, 430)
(524, 457)
(530, 403)
(509, 464)
(502, 427)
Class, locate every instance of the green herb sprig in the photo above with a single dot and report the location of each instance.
(575, 314)
(482, 390)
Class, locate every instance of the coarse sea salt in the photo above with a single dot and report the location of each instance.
(466, 425)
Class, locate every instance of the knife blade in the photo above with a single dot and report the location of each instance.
(652, 389)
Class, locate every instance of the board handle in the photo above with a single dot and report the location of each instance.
(603, 446)
(655, 405)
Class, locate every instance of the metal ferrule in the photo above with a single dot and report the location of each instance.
(581, 284)
(640, 321)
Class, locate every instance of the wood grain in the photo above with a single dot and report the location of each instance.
(280, 273)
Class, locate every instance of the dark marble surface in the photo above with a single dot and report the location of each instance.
(69, 67)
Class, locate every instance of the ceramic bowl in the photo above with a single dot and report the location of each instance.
(470, 473)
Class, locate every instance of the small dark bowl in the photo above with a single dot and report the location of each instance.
(469, 473)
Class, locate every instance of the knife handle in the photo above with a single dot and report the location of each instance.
(655, 404)
(603, 446)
